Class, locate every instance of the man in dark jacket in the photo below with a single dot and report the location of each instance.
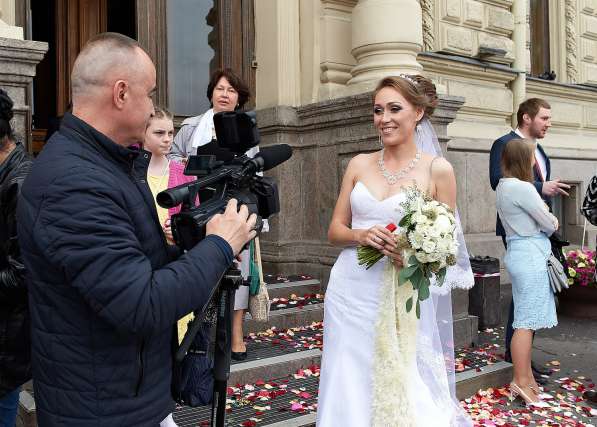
(534, 119)
(15, 353)
(105, 288)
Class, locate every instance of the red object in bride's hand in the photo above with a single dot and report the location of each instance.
(368, 255)
(391, 227)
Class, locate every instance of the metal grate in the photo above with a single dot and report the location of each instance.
(243, 411)
(275, 346)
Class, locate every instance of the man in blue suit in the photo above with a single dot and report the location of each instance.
(534, 119)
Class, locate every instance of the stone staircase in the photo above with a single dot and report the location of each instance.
(277, 384)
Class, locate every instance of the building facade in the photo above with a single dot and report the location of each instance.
(312, 64)
(485, 56)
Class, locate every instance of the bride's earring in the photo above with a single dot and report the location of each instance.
(380, 141)
(418, 130)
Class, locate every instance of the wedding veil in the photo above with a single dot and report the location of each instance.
(435, 342)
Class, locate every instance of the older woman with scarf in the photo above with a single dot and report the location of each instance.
(15, 367)
(226, 92)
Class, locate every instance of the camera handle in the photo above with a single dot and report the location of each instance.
(228, 285)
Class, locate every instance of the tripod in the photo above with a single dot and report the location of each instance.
(228, 286)
(224, 294)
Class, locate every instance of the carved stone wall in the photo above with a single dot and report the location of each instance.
(587, 39)
(467, 25)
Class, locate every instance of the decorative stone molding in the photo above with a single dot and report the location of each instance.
(428, 25)
(571, 45)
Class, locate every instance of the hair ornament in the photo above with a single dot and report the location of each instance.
(409, 78)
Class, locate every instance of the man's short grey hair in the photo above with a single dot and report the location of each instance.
(103, 56)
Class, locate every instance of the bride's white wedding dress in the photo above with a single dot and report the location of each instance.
(381, 365)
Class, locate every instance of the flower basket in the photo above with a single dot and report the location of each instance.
(580, 300)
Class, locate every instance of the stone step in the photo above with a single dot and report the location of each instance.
(273, 367)
(286, 318)
(467, 384)
(284, 290)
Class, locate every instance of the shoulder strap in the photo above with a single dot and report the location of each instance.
(430, 174)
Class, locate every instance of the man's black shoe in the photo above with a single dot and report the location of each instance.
(239, 356)
(591, 397)
(539, 370)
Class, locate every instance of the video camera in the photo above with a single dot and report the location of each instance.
(218, 182)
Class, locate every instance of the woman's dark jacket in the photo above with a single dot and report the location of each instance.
(105, 291)
(15, 353)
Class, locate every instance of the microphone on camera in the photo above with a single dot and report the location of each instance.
(268, 158)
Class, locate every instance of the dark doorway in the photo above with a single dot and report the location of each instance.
(122, 17)
(43, 28)
(66, 25)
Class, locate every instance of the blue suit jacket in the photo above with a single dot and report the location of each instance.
(495, 172)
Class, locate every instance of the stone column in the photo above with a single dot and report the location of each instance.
(7, 20)
(277, 48)
(519, 36)
(335, 41)
(18, 59)
(387, 35)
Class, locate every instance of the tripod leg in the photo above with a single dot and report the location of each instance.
(222, 353)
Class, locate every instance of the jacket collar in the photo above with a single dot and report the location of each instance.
(80, 130)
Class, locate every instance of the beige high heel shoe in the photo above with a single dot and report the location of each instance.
(516, 391)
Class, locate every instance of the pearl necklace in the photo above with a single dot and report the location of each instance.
(393, 178)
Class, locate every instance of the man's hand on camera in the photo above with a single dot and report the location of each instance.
(234, 225)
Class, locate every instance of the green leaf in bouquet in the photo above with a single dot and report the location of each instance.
(416, 278)
(405, 273)
(413, 260)
(441, 276)
(409, 304)
(405, 221)
(423, 287)
(424, 290)
(418, 310)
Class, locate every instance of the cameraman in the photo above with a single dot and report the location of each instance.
(105, 287)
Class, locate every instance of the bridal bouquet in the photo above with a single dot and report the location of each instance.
(427, 238)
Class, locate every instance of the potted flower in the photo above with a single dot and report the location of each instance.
(580, 299)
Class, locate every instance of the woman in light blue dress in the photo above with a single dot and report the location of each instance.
(528, 224)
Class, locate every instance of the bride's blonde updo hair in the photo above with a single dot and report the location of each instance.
(418, 90)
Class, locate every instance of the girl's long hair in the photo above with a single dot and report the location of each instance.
(517, 159)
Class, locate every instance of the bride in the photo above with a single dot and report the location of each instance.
(381, 365)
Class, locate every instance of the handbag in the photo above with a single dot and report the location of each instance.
(192, 378)
(557, 275)
(259, 303)
(558, 280)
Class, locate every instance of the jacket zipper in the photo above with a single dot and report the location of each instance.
(140, 362)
